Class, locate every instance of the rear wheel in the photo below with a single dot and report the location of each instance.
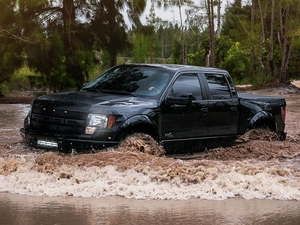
(266, 125)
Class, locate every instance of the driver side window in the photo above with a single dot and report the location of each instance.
(187, 83)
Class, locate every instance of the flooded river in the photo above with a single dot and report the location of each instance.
(254, 182)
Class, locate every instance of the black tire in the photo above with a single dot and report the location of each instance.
(140, 142)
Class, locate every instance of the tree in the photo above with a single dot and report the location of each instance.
(109, 27)
(179, 4)
(50, 61)
(271, 55)
(211, 27)
(62, 17)
(18, 29)
(251, 38)
(8, 39)
(270, 35)
(146, 45)
(218, 33)
(237, 61)
(288, 30)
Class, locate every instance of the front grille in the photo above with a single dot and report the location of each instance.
(58, 121)
(60, 113)
(56, 128)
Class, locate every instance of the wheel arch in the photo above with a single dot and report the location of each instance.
(137, 124)
(262, 120)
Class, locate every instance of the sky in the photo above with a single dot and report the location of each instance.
(172, 14)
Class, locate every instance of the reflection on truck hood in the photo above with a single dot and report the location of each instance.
(87, 101)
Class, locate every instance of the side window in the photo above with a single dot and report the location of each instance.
(187, 83)
(218, 86)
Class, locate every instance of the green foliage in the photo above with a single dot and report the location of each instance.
(9, 46)
(236, 24)
(48, 59)
(140, 49)
(22, 79)
(223, 46)
(237, 61)
(85, 62)
(198, 58)
(9, 61)
(100, 66)
(4, 88)
(19, 80)
(57, 40)
(109, 26)
(146, 45)
(105, 60)
(94, 72)
(294, 67)
(176, 51)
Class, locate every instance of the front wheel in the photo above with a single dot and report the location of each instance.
(140, 142)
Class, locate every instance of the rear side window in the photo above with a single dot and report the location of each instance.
(218, 86)
(187, 83)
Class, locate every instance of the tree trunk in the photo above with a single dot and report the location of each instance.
(219, 20)
(72, 65)
(210, 15)
(271, 57)
(286, 45)
(113, 58)
(68, 12)
(253, 57)
(262, 38)
(182, 56)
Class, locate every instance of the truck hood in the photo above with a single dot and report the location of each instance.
(91, 102)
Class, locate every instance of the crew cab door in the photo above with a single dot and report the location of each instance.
(184, 112)
(223, 105)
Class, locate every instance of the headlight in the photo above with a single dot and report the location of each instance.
(98, 121)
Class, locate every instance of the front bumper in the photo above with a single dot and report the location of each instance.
(63, 143)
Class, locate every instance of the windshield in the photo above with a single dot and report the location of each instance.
(131, 80)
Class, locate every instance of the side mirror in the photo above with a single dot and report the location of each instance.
(183, 99)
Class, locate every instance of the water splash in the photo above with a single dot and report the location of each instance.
(258, 166)
(143, 176)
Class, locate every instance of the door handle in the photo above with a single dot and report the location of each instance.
(204, 111)
(234, 110)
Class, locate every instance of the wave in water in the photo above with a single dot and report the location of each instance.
(143, 176)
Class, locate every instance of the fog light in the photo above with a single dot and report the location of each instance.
(90, 130)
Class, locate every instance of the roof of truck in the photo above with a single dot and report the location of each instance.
(176, 67)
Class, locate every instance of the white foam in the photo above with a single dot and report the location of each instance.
(246, 179)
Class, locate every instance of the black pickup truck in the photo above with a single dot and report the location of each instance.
(176, 104)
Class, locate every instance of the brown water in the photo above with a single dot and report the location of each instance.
(26, 210)
(246, 184)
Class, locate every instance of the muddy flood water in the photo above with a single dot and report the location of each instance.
(256, 181)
